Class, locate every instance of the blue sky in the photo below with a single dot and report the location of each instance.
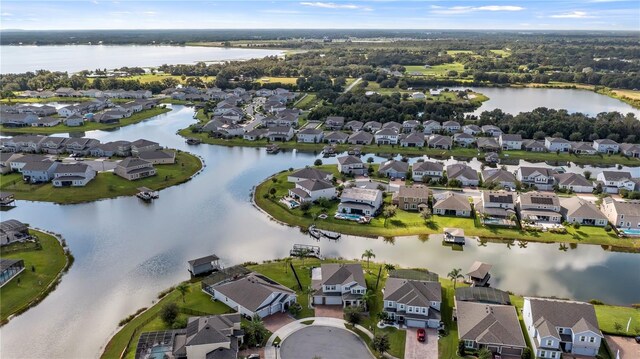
(378, 14)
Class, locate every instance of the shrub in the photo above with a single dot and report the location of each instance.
(317, 162)
(169, 313)
(596, 302)
(461, 348)
(607, 228)
(526, 354)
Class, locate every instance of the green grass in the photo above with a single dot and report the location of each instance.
(282, 80)
(45, 100)
(147, 78)
(105, 185)
(307, 102)
(89, 126)
(32, 286)
(436, 70)
(609, 315)
(410, 223)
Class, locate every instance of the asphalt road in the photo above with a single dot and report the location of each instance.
(323, 342)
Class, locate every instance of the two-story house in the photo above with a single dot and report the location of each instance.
(394, 169)
(538, 207)
(463, 173)
(623, 215)
(360, 138)
(132, 168)
(412, 198)
(451, 126)
(510, 141)
(439, 142)
(427, 171)
(387, 136)
(414, 303)
(614, 181)
(559, 326)
(606, 146)
(53, 145)
(431, 127)
(338, 284)
(311, 189)
(310, 135)
(557, 144)
(334, 123)
(351, 165)
(540, 177)
(497, 205)
(76, 175)
(360, 201)
(38, 171)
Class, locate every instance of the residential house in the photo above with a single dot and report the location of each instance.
(354, 125)
(497, 207)
(386, 136)
(471, 129)
(464, 139)
(557, 144)
(440, 142)
(74, 121)
(503, 178)
(72, 175)
(614, 181)
(280, 133)
(80, 146)
(509, 141)
(582, 148)
(255, 134)
(410, 126)
(630, 150)
(12, 231)
(360, 138)
(47, 122)
(38, 171)
(158, 157)
(17, 162)
(606, 146)
(536, 207)
(338, 284)
(309, 135)
(203, 265)
(623, 215)
(360, 201)
(560, 326)
(53, 145)
(253, 294)
(9, 269)
(394, 169)
(418, 96)
(533, 146)
(412, 198)
(491, 130)
(5, 161)
(17, 119)
(431, 127)
(488, 144)
(451, 204)
(114, 148)
(309, 173)
(581, 211)
(334, 123)
(22, 143)
(412, 140)
(478, 274)
(372, 126)
(143, 145)
(463, 173)
(392, 124)
(573, 182)
(492, 326)
(414, 303)
(351, 165)
(336, 137)
(540, 177)
(426, 171)
(451, 126)
(132, 168)
(310, 190)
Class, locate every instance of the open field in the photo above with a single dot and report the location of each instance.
(105, 185)
(147, 78)
(436, 70)
(282, 80)
(42, 267)
(88, 125)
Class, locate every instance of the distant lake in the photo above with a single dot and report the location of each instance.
(74, 58)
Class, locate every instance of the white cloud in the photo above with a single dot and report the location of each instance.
(467, 9)
(277, 11)
(150, 13)
(572, 15)
(331, 5)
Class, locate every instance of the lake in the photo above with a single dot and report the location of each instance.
(127, 251)
(74, 58)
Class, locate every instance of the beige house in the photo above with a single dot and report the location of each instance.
(158, 157)
(412, 198)
(132, 168)
(622, 214)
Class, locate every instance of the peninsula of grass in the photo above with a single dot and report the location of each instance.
(406, 223)
(105, 185)
(44, 262)
(88, 126)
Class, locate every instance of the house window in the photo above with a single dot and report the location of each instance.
(543, 354)
(592, 339)
(549, 343)
(424, 310)
(553, 354)
(583, 338)
(410, 309)
(469, 343)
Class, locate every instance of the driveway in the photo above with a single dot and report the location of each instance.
(323, 342)
(627, 346)
(277, 321)
(329, 311)
(413, 349)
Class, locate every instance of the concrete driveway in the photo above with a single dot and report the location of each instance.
(277, 321)
(329, 311)
(413, 349)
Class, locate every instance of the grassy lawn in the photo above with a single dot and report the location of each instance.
(436, 70)
(31, 286)
(307, 102)
(45, 100)
(105, 185)
(147, 78)
(410, 223)
(609, 315)
(90, 126)
(282, 80)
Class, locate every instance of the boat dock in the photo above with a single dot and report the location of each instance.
(147, 194)
(193, 141)
(7, 199)
(273, 149)
(317, 233)
(305, 250)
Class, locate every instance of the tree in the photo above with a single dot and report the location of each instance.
(587, 174)
(526, 353)
(617, 326)
(389, 267)
(366, 297)
(389, 212)
(287, 262)
(254, 331)
(381, 343)
(353, 314)
(169, 313)
(183, 288)
(454, 275)
(317, 162)
(461, 348)
(368, 254)
(305, 206)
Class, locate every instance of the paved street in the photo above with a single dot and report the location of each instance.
(323, 342)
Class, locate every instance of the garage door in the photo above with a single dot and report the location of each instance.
(333, 300)
(512, 351)
(276, 308)
(415, 323)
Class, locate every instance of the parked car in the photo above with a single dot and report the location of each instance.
(422, 335)
(254, 356)
(638, 339)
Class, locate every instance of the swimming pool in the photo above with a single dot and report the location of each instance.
(347, 216)
(635, 232)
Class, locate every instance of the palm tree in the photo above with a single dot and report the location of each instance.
(183, 288)
(454, 275)
(366, 297)
(368, 254)
(388, 212)
(389, 267)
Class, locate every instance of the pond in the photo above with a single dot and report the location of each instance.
(127, 251)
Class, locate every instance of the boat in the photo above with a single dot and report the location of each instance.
(7, 199)
(147, 194)
(331, 235)
(193, 141)
(315, 233)
(273, 149)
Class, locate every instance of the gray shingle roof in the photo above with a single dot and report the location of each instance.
(453, 201)
(338, 274)
(251, 291)
(489, 324)
(428, 166)
(412, 292)
(548, 314)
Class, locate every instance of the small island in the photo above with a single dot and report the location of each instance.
(34, 262)
(317, 196)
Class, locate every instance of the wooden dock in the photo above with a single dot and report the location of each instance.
(305, 250)
(7, 199)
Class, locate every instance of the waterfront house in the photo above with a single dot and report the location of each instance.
(12, 231)
(427, 170)
(334, 123)
(581, 211)
(47, 122)
(488, 144)
(622, 214)
(69, 110)
(491, 130)
(17, 162)
(451, 126)
(253, 294)
(354, 125)
(439, 142)
(74, 120)
(582, 148)
(394, 169)
(80, 146)
(412, 198)
(464, 139)
(143, 145)
(336, 137)
(463, 173)
(471, 129)
(114, 148)
(23, 143)
(431, 127)
(497, 207)
(614, 181)
(361, 201)
(573, 182)
(557, 144)
(338, 284)
(72, 175)
(9, 268)
(414, 303)
(478, 274)
(537, 207)
(309, 173)
(309, 135)
(360, 138)
(606, 145)
(255, 134)
(5, 161)
(540, 177)
(203, 265)
(310, 190)
(492, 326)
(501, 177)
(561, 326)
(533, 146)
(412, 140)
(351, 165)
(38, 171)
(372, 126)
(132, 168)
(386, 136)
(17, 119)
(509, 141)
(280, 133)
(482, 295)
(451, 204)
(158, 157)
(53, 145)
(630, 150)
